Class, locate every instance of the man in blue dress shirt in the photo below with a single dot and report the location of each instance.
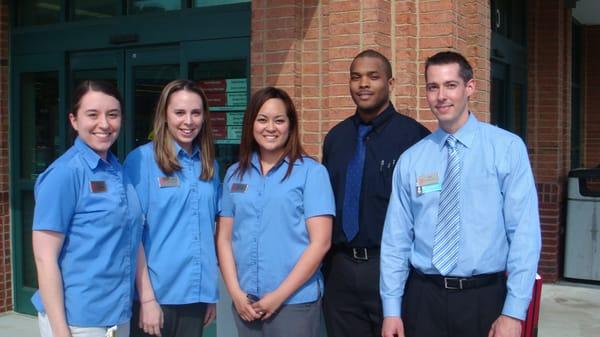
(461, 240)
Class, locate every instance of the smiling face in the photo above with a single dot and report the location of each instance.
(448, 95)
(97, 121)
(370, 86)
(271, 128)
(184, 118)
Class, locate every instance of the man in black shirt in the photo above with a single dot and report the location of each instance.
(360, 154)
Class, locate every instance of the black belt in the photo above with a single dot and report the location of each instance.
(359, 253)
(460, 283)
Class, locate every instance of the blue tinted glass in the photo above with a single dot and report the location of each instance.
(153, 6)
(38, 12)
(94, 9)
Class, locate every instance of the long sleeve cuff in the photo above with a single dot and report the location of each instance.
(391, 307)
(515, 307)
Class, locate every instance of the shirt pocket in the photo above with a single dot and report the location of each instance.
(383, 181)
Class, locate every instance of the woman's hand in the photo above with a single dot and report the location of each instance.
(211, 314)
(244, 308)
(151, 317)
(268, 305)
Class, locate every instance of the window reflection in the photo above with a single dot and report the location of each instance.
(94, 9)
(39, 121)
(38, 12)
(153, 6)
(149, 82)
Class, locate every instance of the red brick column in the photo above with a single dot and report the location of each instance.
(6, 297)
(424, 28)
(590, 126)
(306, 48)
(549, 119)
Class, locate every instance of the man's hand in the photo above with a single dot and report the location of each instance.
(505, 326)
(392, 327)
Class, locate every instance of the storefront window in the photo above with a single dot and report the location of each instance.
(153, 6)
(38, 12)
(148, 84)
(226, 88)
(39, 122)
(96, 9)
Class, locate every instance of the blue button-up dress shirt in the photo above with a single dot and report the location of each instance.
(499, 228)
(180, 222)
(91, 202)
(269, 223)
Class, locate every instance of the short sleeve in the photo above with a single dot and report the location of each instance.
(136, 170)
(318, 194)
(226, 203)
(56, 195)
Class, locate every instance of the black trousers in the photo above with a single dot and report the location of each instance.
(182, 320)
(429, 310)
(351, 302)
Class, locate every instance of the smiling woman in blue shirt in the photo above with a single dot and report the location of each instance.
(85, 239)
(175, 177)
(275, 224)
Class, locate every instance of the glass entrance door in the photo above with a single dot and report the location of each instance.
(41, 97)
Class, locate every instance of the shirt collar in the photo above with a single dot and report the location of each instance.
(378, 121)
(465, 135)
(255, 161)
(91, 157)
(181, 151)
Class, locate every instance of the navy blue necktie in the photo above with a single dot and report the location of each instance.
(354, 174)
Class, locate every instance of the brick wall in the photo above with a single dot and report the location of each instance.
(590, 131)
(306, 48)
(6, 303)
(549, 121)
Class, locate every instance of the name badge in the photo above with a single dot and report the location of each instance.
(239, 188)
(428, 183)
(98, 186)
(168, 182)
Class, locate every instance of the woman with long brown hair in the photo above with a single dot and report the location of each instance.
(275, 224)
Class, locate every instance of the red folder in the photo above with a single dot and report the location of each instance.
(530, 325)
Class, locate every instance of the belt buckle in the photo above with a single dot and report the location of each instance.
(357, 256)
(458, 286)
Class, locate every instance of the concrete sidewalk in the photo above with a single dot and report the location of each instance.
(568, 310)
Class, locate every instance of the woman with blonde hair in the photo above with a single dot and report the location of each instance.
(176, 178)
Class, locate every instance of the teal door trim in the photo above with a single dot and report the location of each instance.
(219, 22)
(26, 64)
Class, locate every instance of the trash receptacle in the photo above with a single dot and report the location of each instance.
(582, 240)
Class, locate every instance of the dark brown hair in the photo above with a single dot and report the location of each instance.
(465, 71)
(93, 85)
(166, 158)
(292, 149)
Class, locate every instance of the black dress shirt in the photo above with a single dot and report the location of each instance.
(392, 134)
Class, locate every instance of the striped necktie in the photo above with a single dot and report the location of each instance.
(447, 232)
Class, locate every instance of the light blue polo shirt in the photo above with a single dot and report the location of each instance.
(180, 222)
(91, 202)
(269, 223)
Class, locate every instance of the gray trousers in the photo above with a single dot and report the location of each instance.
(292, 320)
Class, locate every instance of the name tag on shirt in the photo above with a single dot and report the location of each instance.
(98, 186)
(168, 182)
(239, 188)
(428, 183)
